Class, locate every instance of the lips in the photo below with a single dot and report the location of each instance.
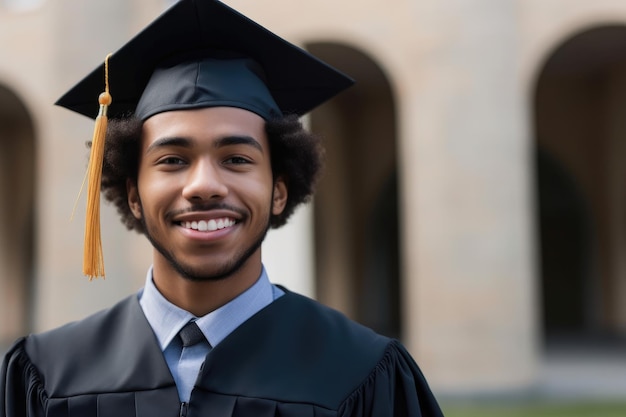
(209, 225)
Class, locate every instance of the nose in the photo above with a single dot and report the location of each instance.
(204, 183)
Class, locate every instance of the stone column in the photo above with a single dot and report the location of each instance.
(466, 174)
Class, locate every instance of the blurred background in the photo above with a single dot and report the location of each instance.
(473, 205)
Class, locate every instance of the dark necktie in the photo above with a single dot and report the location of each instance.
(191, 334)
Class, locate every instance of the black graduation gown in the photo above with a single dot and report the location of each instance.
(294, 358)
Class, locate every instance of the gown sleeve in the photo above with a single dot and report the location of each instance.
(21, 389)
(396, 387)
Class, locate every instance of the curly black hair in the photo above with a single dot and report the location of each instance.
(296, 157)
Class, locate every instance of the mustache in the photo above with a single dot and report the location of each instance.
(207, 207)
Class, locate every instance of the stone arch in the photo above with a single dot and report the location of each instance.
(356, 206)
(579, 109)
(17, 215)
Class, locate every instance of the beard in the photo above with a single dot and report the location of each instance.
(228, 267)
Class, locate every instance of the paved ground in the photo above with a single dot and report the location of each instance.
(584, 370)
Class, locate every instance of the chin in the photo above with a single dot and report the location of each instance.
(206, 274)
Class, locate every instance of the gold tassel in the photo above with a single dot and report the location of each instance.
(93, 260)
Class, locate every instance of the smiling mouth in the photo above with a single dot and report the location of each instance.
(209, 225)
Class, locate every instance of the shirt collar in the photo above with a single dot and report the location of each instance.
(166, 319)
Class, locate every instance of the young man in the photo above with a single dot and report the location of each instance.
(203, 155)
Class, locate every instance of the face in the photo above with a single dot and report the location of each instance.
(205, 191)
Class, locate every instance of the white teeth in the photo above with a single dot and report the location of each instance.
(209, 225)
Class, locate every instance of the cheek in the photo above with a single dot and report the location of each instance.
(150, 191)
(161, 192)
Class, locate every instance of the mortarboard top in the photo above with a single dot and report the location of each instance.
(296, 80)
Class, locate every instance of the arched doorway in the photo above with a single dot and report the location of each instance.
(566, 234)
(356, 210)
(580, 108)
(17, 221)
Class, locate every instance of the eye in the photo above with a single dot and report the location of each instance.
(171, 160)
(237, 160)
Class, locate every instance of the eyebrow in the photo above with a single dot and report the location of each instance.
(169, 141)
(238, 140)
(188, 143)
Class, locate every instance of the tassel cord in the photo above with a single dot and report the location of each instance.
(93, 257)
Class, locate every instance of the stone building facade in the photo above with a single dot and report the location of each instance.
(474, 202)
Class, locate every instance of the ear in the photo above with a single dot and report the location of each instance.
(134, 202)
(279, 199)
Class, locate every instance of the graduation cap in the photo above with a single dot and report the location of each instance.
(199, 53)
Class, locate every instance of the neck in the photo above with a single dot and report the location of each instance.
(204, 296)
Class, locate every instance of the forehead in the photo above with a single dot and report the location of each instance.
(204, 124)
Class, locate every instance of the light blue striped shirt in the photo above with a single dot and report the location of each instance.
(166, 320)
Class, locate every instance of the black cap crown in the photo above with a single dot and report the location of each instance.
(202, 53)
